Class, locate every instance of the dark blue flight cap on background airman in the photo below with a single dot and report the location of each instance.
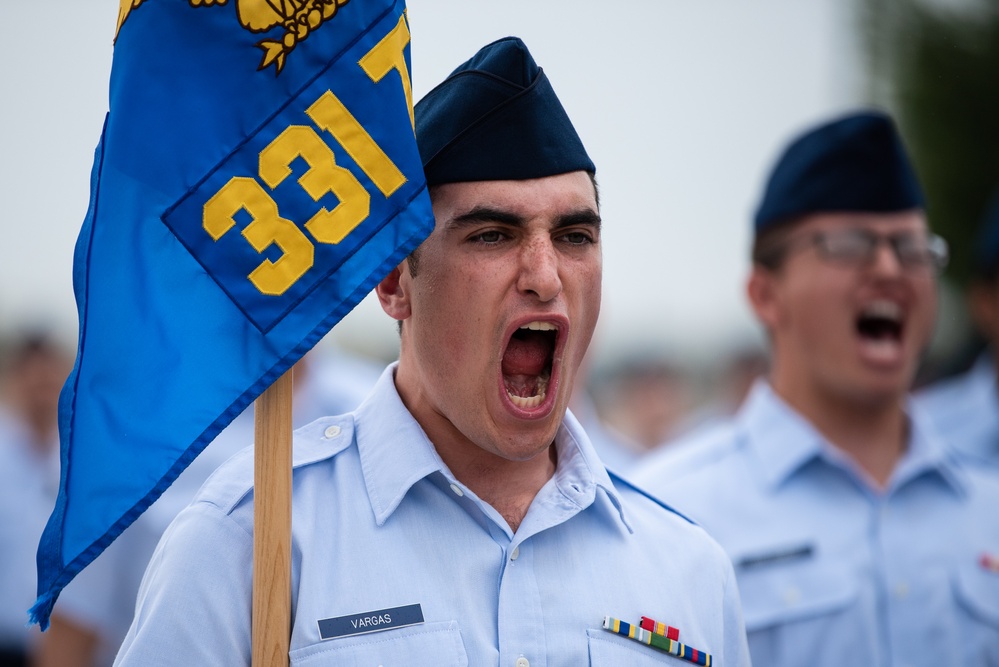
(856, 163)
(987, 240)
(497, 118)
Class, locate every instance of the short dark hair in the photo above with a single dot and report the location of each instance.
(770, 245)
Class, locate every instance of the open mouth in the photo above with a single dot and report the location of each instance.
(881, 322)
(527, 363)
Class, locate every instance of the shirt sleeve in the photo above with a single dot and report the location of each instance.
(194, 604)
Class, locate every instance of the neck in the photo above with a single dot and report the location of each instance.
(509, 486)
(872, 433)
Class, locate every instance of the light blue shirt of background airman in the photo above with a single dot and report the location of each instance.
(964, 410)
(832, 571)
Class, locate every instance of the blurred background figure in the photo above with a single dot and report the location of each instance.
(843, 514)
(94, 611)
(641, 401)
(965, 409)
(637, 404)
(32, 370)
(727, 387)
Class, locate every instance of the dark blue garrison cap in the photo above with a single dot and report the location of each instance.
(987, 241)
(856, 163)
(496, 118)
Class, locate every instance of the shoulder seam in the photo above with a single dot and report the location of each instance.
(618, 479)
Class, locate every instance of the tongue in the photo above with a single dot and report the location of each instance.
(526, 355)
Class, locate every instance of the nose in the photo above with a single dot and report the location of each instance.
(886, 261)
(539, 269)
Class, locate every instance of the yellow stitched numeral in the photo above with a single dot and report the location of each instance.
(387, 55)
(322, 176)
(329, 114)
(242, 193)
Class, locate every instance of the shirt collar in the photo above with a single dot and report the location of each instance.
(581, 476)
(784, 442)
(396, 453)
(927, 454)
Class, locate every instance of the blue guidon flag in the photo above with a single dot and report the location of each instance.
(257, 175)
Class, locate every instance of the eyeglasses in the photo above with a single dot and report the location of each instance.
(858, 247)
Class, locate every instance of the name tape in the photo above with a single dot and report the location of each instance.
(370, 621)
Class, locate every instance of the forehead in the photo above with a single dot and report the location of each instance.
(548, 197)
(901, 221)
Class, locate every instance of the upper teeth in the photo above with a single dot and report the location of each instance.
(888, 310)
(539, 326)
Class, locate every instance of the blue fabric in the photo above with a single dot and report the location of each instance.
(856, 163)
(501, 104)
(381, 522)
(175, 340)
(964, 411)
(829, 567)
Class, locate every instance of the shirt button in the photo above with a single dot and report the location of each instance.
(513, 556)
(792, 596)
(332, 431)
(522, 662)
(457, 490)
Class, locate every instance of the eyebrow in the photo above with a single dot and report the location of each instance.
(481, 214)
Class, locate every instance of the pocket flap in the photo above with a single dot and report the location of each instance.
(784, 593)
(978, 589)
(432, 644)
(609, 650)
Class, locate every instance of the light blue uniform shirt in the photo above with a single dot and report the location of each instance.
(832, 572)
(964, 411)
(380, 523)
(28, 481)
(101, 598)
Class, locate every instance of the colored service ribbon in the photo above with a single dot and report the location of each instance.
(657, 641)
(989, 562)
(655, 626)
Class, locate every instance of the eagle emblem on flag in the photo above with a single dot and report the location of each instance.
(297, 18)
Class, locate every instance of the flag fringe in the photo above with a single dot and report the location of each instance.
(42, 609)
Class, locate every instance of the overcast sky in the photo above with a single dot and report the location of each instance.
(682, 104)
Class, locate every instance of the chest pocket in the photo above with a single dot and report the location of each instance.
(608, 650)
(426, 645)
(978, 591)
(792, 608)
(779, 594)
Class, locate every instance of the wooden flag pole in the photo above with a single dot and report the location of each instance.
(271, 629)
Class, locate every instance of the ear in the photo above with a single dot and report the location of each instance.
(761, 290)
(393, 293)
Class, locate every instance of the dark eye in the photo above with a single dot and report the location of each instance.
(577, 238)
(489, 236)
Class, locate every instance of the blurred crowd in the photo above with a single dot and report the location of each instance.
(634, 407)
(631, 407)
(95, 610)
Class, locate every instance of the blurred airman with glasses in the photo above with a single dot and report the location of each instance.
(856, 534)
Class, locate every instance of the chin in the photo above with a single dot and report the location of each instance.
(529, 442)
